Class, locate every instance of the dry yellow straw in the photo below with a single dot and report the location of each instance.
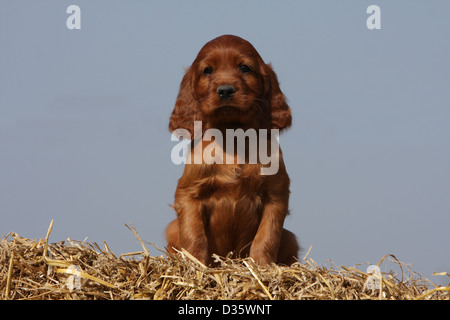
(51, 271)
(8, 281)
(50, 227)
(259, 281)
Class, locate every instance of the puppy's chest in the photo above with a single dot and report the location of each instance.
(237, 178)
(234, 189)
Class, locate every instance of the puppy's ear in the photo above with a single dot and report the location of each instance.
(186, 109)
(280, 111)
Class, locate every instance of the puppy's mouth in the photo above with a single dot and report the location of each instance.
(227, 110)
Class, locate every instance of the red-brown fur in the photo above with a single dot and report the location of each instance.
(224, 208)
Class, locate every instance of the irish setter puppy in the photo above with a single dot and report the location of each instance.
(231, 207)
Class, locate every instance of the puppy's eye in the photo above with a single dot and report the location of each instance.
(244, 68)
(207, 70)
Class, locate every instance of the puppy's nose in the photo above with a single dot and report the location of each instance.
(226, 92)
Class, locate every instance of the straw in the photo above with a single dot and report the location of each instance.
(67, 270)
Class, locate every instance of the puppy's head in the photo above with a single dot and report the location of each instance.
(229, 86)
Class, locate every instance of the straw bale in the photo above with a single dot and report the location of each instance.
(35, 269)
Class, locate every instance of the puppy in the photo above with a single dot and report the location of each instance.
(231, 206)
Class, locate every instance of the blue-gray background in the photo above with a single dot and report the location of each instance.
(84, 116)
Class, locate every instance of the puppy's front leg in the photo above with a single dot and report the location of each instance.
(264, 249)
(265, 246)
(192, 235)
